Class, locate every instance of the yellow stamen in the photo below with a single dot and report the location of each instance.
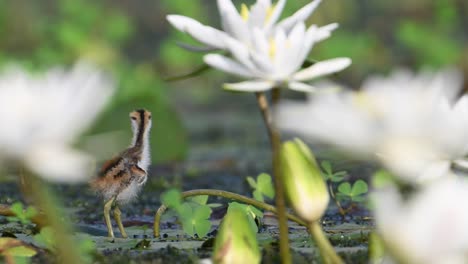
(269, 13)
(244, 12)
(363, 101)
(272, 49)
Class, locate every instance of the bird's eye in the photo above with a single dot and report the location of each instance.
(149, 117)
(133, 118)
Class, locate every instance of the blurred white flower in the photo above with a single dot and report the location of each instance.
(43, 114)
(263, 15)
(276, 61)
(428, 228)
(412, 123)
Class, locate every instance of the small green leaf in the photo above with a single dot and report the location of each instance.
(258, 195)
(265, 185)
(13, 219)
(17, 208)
(381, 179)
(185, 211)
(187, 225)
(326, 165)
(46, 238)
(359, 198)
(255, 211)
(31, 212)
(199, 199)
(345, 188)
(172, 199)
(252, 182)
(359, 187)
(202, 212)
(202, 227)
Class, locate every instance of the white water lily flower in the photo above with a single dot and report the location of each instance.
(43, 114)
(276, 62)
(428, 228)
(410, 122)
(263, 15)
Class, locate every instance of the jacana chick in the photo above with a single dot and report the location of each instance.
(121, 178)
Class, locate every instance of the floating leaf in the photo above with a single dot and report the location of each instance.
(186, 216)
(172, 199)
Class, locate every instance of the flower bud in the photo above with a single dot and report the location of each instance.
(304, 185)
(236, 241)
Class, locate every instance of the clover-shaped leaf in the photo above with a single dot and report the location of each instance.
(262, 187)
(21, 214)
(195, 219)
(172, 199)
(355, 192)
(328, 173)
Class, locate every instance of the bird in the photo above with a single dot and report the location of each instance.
(121, 178)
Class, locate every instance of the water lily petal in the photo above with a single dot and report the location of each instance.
(302, 87)
(325, 31)
(226, 64)
(322, 68)
(301, 15)
(59, 163)
(205, 34)
(277, 10)
(249, 86)
(232, 21)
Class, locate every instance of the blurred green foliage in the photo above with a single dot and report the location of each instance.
(42, 34)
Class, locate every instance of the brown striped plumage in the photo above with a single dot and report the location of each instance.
(121, 178)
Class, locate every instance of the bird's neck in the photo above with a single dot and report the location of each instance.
(140, 143)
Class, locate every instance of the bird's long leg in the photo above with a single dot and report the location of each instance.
(117, 214)
(107, 208)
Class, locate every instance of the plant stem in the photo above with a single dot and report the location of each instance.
(275, 141)
(333, 195)
(45, 199)
(327, 251)
(225, 194)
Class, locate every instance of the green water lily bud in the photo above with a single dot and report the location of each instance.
(304, 184)
(236, 241)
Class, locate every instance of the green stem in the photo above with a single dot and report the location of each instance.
(337, 202)
(327, 251)
(275, 141)
(225, 194)
(45, 200)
